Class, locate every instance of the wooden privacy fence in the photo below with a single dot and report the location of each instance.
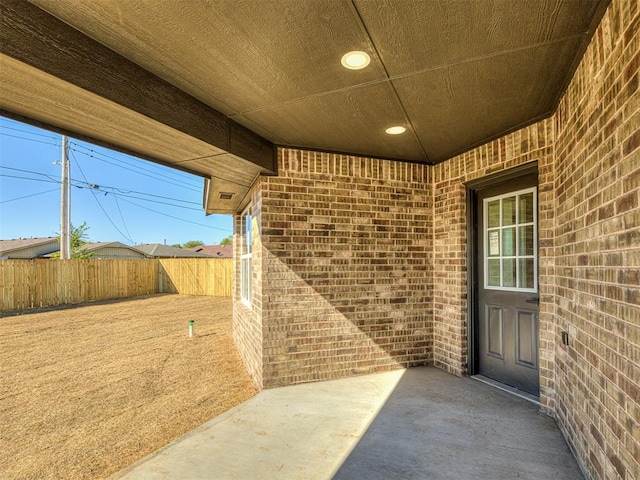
(192, 276)
(42, 283)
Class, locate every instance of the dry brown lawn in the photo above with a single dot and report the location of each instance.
(87, 391)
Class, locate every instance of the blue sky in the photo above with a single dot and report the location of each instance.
(132, 200)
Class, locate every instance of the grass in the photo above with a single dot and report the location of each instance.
(89, 390)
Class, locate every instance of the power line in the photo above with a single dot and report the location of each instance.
(132, 168)
(123, 192)
(146, 174)
(145, 163)
(30, 171)
(153, 172)
(102, 187)
(154, 201)
(141, 171)
(28, 132)
(115, 197)
(77, 184)
(86, 184)
(32, 195)
(30, 139)
(98, 153)
(160, 167)
(98, 201)
(28, 178)
(177, 218)
(93, 187)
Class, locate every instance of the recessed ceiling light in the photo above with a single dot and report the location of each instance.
(355, 60)
(397, 130)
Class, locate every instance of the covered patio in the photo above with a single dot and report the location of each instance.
(468, 199)
(416, 423)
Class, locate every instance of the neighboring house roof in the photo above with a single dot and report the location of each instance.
(159, 250)
(28, 247)
(218, 251)
(111, 249)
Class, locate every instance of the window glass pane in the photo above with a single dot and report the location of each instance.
(494, 272)
(525, 205)
(493, 246)
(525, 240)
(247, 233)
(525, 279)
(509, 211)
(249, 279)
(493, 214)
(508, 272)
(509, 242)
(510, 247)
(245, 265)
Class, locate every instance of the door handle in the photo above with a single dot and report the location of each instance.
(533, 300)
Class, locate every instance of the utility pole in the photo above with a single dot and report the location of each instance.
(65, 205)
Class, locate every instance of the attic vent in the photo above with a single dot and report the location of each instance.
(226, 195)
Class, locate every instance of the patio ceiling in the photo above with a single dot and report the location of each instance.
(212, 87)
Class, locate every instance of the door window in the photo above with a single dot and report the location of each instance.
(511, 237)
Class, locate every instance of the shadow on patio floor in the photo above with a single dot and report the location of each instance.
(437, 426)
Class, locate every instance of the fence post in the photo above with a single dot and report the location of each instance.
(160, 279)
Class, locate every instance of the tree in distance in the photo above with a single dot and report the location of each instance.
(79, 237)
(192, 243)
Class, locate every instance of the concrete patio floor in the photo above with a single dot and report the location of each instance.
(420, 423)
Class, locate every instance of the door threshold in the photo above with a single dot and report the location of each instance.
(509, 389)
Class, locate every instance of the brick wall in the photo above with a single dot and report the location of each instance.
(534, 143)
(597, 251)
(347, 254)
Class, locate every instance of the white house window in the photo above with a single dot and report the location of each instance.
(511, 242)
(245, 267)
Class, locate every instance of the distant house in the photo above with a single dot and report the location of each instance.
(218, 251)
(111, 250)
(25, 248)
(158, 250)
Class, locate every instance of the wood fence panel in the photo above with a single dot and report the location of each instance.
(197, 276)
(41, 283)
(46, 275)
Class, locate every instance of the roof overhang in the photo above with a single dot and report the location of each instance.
(57, 78)
(213, 87)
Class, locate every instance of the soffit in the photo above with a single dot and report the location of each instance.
(455, 73)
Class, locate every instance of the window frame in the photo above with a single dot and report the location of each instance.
(516, 226)
(246, 255)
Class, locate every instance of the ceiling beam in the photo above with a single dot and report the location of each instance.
(37, 38)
